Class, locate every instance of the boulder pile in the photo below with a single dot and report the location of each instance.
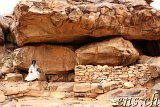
(95, 46)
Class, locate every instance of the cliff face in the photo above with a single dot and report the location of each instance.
(62, 21)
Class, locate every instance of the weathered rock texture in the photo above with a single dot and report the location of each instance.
(37, 89)
(3, 52)
(50, 59)
(1, 36)
(13, 77)
(115, 51)
(67, 77)
(68, 20)
(5, 22)
(154, 62)
(101, 32)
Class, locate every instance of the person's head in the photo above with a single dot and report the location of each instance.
(34, 62)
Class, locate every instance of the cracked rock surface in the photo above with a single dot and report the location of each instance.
(62, 21)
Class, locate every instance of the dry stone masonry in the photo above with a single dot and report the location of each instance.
(97, 74)
(106, 78)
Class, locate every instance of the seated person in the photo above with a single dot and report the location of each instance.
(33, 73)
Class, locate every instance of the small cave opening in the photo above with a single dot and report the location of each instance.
(148, 47)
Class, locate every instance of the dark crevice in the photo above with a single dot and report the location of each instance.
(146, 47)
(76, 43)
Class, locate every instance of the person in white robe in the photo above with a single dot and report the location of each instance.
(33, 73)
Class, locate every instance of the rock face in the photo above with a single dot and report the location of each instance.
(115, 51)
(2, 97)
(69, 20)
(96, 34)
(1, 36)
(128, 85)
(149, 60)
(14, 77)
(154, 63)
(51, 59)
(5, 22)
(3, 51)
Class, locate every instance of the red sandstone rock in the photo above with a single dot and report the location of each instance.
(68, 20)
(50, 59)
(115, 51)
(5, 22)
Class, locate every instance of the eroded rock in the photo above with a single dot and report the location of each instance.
(153, 62)
(6, 68)
(128, 85)
(5, 22)
(14, 77)
(2, 97)
(50, 59)
(116, 51)
(82, 87)
(67, 21)
(1, 37)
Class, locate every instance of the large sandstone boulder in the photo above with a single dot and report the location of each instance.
(116, 51)
(50, 59)
(70, 20)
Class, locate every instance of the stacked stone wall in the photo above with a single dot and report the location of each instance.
(91, 80)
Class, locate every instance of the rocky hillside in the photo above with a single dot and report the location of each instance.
(93, 48)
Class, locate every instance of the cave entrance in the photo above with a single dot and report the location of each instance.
(148, 47)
